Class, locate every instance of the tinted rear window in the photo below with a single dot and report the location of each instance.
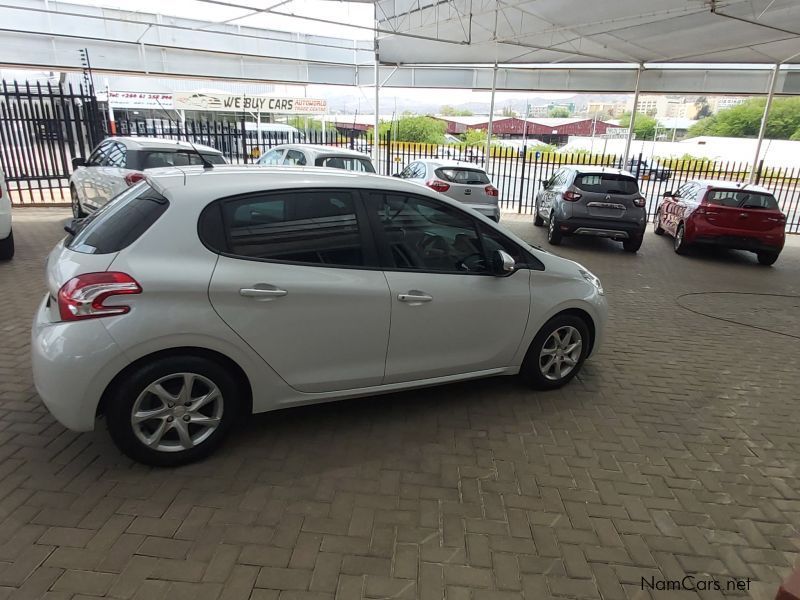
(607, 183)
(120, 222)
(462, 176)
(167, 158)
(348, 163)
(742, 199)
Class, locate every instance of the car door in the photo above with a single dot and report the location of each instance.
(548, 194)
(116, 170)
(91, 180)
(298, 281)
(450, 315)
(681, 206)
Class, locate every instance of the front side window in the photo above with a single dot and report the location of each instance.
(116, 156)
(308, 227)
(422, 234)
(99, 158)
(273, 157)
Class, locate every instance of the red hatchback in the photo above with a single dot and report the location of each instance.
(723, 213)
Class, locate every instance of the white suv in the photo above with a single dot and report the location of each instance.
(6, 234)
(196, 297)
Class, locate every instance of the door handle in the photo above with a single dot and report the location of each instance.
(262, 293)
(414, 297)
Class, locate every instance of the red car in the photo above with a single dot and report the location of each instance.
(723, 213)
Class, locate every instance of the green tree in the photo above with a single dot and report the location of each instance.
(509, 112)
(425, 130)
(558, 112)
(474, 137)
(644, 126)
(744, 120)
(451, 111)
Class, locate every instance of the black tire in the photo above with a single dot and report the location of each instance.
(679, 243)
(767, 258)
(537, 220)
(122, 397)
(531, 370)
(633, 244)
(657, 228)
(77, 210)
(7, 247)
(553, 233)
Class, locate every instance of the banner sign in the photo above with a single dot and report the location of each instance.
(246, 103)
(152, 100)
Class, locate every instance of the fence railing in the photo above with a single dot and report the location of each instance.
(42, 129)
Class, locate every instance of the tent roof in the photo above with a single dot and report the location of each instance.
(581, 31)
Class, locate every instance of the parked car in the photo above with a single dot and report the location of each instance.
(470, 154)
(653, 169)
(199, 296)
(460, 181)
(723, 213)
(119, 162)
(6, 233)
(301, 155)
(593, 201)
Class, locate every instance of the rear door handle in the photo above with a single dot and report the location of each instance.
(414, 297)
(262, 291)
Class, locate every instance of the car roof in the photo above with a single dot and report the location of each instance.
(231, 180)
(459, 164)
(730, 185)
(322, 150)
(598, 169)
(148, 143)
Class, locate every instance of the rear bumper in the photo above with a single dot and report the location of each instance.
(738, 243)
(618, 230)
(735, 239)
(490, 210)
(68, 360)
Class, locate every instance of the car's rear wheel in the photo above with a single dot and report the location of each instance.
(657, 228)
(553, 232)
(172, 411)
(77, 211)
(633, 244)
(557, 353)
(679, 243)
(767, 258)
(7, 247)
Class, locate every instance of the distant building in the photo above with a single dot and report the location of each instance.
(549, 131)
(718, 103)
(605, 109)
(665, 106)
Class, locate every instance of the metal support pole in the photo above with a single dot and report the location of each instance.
(376, 153)
(633, 117)
(763, 128)
(491, 121)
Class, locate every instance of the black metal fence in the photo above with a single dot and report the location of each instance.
(43, 128)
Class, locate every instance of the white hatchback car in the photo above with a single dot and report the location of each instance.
(6, 233)
(197, 297)
(312, 155)
(465, 182)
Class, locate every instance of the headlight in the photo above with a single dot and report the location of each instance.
(591, 278)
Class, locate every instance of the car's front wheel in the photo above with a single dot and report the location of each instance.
(679, 242)
(7, 247)
(77, 210)
(553, 232)
(658, 229)
(172, 411)
(557, 353)
(537, 220)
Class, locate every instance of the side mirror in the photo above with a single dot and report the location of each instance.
(668, 194)
(503, 263)
(544, 182)
(78, 161)
(395, 174)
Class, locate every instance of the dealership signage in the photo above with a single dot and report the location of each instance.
(136, 99)
(248, 103)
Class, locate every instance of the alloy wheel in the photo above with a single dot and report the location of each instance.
(177, 412)
(560, 353)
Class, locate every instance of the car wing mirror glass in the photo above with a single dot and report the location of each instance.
(503, 263)
(78, 161)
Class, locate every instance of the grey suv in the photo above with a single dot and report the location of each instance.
(595, 201)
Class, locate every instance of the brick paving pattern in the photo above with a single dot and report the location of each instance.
(676, 453)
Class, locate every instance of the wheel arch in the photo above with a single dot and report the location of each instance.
(218, 357)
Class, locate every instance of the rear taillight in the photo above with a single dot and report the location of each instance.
(491, 191)
(639, 201)
(132, 178)
(83, 297)
(437, 185)
(571, 196)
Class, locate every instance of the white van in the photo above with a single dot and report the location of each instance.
(267, 135)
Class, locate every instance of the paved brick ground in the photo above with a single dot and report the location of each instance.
(677, 452)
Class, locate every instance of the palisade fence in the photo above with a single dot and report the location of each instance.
(43, 127)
